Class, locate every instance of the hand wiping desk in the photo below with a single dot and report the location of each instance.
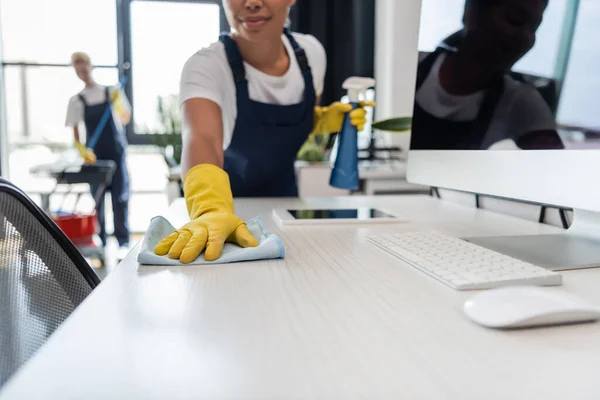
(269, 246)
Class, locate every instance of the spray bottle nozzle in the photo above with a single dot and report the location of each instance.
(357, 86)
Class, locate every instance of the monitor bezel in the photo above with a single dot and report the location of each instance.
(564, 178)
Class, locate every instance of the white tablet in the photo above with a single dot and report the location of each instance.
(332, 216)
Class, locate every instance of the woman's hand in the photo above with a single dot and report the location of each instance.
(331, 118)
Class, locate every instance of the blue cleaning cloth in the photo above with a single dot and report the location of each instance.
(270, 246)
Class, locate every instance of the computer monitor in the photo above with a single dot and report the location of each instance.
(486, 122)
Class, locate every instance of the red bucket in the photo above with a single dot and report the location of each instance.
(79, 228)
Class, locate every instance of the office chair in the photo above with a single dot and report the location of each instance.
(43, 278)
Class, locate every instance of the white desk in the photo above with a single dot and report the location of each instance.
(338, 319)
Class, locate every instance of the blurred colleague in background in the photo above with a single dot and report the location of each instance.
(107, 136)
(467, 98)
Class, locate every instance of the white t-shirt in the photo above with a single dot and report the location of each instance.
(520, 110)
(207, 75)
(94, 95)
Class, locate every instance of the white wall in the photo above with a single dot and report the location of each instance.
(396, 57)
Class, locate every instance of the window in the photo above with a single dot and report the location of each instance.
(38, 38)
(163, 36)
(37, 114)
(46, 31)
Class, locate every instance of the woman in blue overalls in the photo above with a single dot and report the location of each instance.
(90, 105)
(266, 80)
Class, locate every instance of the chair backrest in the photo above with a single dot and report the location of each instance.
(43, 278)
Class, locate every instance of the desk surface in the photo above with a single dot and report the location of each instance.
(338, 319)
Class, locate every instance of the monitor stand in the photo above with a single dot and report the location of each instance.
(577, 248)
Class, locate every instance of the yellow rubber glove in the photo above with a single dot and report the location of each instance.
(122, 112)
(330, 119)
(210, 206)
(87, 154)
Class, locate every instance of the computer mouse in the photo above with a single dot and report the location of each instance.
(524, 306)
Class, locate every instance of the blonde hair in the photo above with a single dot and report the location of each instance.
(80, 57)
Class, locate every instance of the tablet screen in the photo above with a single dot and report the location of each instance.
(354, 213)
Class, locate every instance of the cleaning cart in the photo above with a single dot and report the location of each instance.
(80, 227)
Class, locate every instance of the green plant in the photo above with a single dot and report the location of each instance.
(311, 152)
(170, 145)
(314, 149)
(169, 114)
(397, 125)
(168, 136)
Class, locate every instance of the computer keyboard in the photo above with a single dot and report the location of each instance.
(463, 265)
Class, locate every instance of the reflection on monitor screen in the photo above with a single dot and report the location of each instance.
(469, 95)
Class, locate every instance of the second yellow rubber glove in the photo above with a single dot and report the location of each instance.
(210, 206)
(330, 119)
(119, 106)
(87, 154)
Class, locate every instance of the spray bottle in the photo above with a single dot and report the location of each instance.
(345, 170)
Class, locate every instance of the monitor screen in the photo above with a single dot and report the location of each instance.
(507, 75)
